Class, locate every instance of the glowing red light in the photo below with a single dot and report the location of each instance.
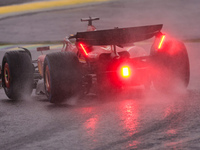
(125, 72)
(83, 48)
(161, 42)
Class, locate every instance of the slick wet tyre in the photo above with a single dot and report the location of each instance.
(171, 68)
(62, 76)
(17, 74)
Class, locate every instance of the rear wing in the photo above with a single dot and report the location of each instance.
(118, 36)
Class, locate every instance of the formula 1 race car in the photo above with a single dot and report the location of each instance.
(108, 59)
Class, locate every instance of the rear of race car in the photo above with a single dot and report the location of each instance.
(166, 63)
(115, 67)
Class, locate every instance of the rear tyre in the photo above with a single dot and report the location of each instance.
(62, 76)
(17, 74)
(171, 68)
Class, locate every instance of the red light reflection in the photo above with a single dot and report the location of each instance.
(173, 129)
(90, 125)
(171, 132)
(129, 116)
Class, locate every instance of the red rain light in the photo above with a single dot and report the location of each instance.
(161, 42)
(125, 71)
(83, 48)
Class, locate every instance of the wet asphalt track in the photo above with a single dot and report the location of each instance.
(136, 120)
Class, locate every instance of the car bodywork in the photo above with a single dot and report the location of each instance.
(106, 52)
(110, 58)
(97, 47)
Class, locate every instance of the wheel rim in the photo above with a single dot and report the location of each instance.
(7, 75)
(47, 79)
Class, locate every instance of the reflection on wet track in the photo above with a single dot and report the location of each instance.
(90, 125)
(128, 112)
(123, 122)
(139, 122)
(129, 116)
